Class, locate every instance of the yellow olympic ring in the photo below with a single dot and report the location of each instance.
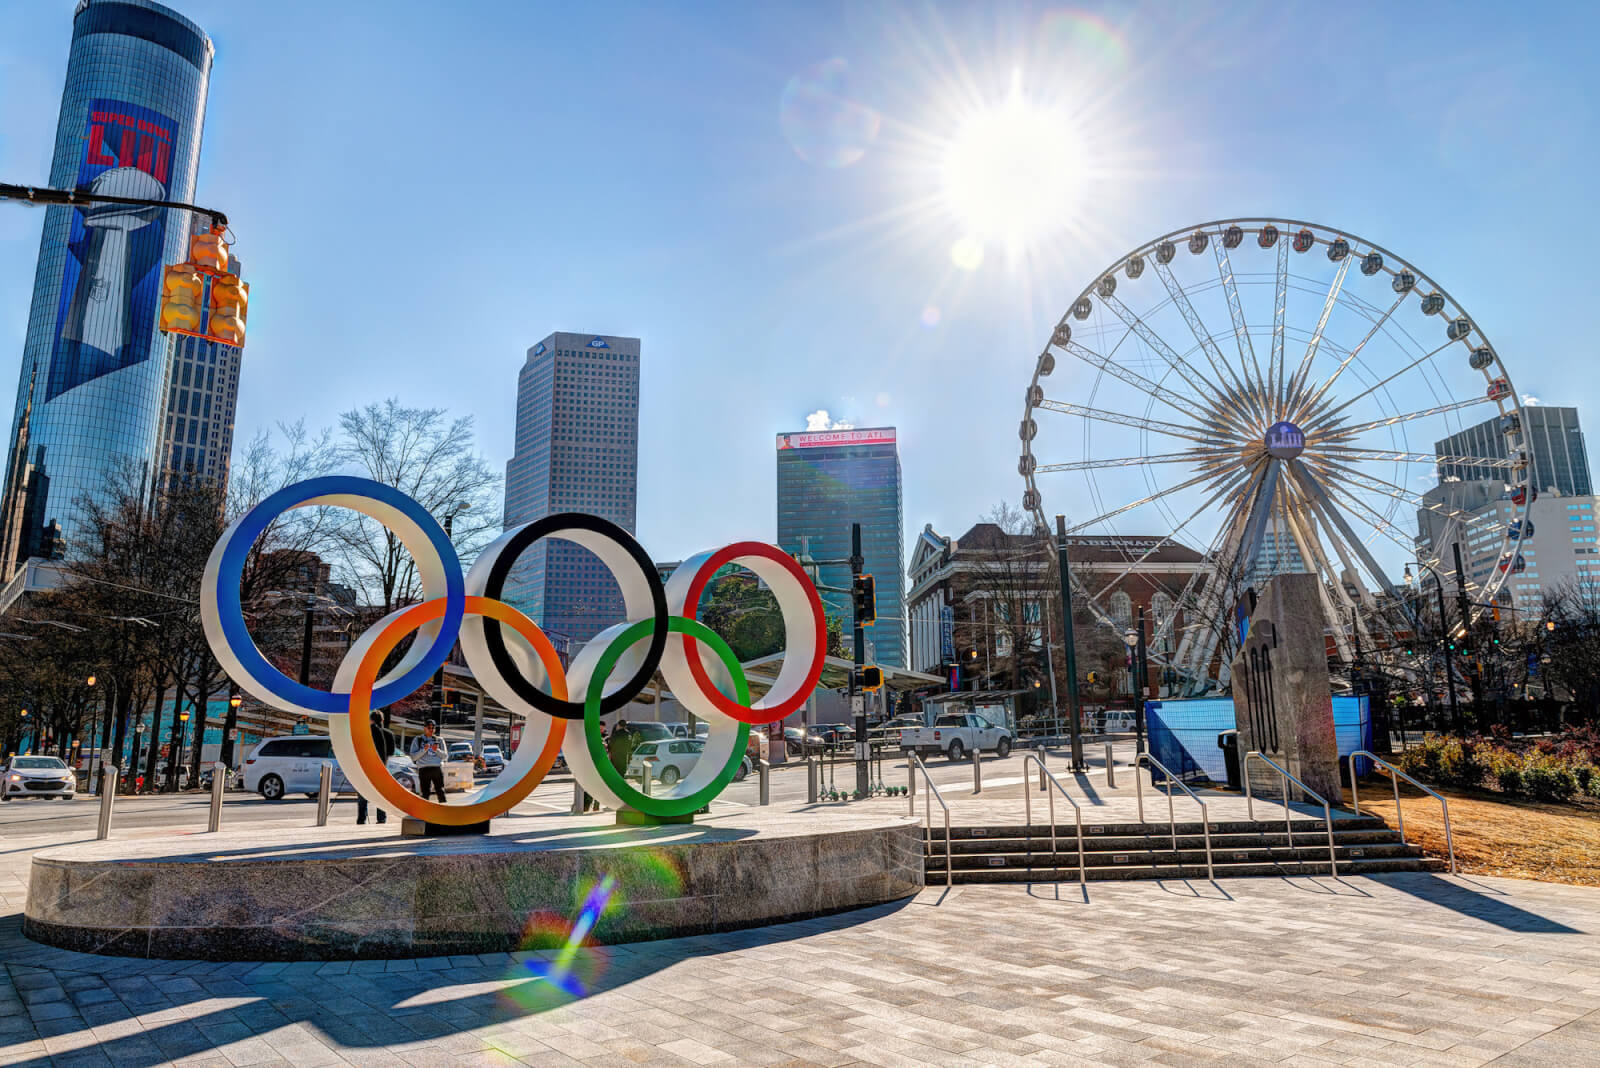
(355, 747)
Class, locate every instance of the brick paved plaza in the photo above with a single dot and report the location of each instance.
(1402, 969)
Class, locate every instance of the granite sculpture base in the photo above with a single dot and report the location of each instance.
(345, 893)
(1283, 705)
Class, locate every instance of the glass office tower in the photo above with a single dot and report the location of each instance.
(828, 480)
(577, 450)
(90, 394)
(1551, 436)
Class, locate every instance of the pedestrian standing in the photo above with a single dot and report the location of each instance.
(427, 751)
(383, 741)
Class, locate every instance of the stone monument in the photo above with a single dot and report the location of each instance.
(1281, 699)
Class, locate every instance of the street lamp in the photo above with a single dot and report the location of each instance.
(1449, 646)
(183, 746)
(138, 741)
(1131, 638)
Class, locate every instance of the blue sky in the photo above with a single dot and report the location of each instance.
(420, 193)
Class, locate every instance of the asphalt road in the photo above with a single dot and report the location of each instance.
(37, 816)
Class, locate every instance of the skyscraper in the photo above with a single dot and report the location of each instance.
(828, 480)
(201, 396)
(90, 394)
(1552, 438)
(577, 450)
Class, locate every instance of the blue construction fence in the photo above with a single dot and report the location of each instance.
(1183, 735)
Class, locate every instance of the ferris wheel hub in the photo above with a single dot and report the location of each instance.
(1284, 440)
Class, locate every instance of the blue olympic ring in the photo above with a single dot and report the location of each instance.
(253, 524)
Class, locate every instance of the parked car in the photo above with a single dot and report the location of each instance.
(674, 758)
(956, 734)
(293, 764)
(794, 741)
(493, 762)
(461, 750)
(652, 732)
(32, 775)
(891, 730)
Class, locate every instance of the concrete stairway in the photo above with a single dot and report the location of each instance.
(1019, 854)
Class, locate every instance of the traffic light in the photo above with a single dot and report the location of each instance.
(869, 678)
(1093, 678)
(183, 297)
(864, 594)
(200, 298)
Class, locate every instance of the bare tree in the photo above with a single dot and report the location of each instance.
(430, 457)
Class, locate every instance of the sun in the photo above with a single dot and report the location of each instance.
(1012, 172)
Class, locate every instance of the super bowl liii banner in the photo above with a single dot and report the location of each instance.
(111, 280)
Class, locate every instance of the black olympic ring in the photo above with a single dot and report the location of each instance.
(494, 638)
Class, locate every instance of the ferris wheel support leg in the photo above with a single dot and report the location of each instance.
(1314, 488)
(1311, 549)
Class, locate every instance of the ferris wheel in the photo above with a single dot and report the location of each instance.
(1270, 393)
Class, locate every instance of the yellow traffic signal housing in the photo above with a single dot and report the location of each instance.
(182, 298)
(230, 305)
(864, 595)
(869, 678)
(209, 252)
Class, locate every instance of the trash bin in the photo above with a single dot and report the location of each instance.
(1228, 742)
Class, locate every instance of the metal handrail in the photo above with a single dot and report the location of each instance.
(1288, 813)
(1355, 800)
(1027, 804)
(1172, 818)
(914, 765)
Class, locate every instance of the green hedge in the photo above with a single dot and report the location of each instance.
(1479, 762)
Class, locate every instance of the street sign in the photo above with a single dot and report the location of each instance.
(862, 752)
(858, 703)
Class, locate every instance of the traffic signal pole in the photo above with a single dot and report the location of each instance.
(858, 700)
(72, 197)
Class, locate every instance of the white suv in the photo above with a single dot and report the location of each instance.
(293, 764)
(36, 776)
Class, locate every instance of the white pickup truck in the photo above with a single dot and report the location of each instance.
(955, 734)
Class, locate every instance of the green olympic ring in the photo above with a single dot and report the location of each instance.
(662, 806)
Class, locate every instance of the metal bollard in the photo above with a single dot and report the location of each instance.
(219, 781)
(324, 795)
(811, 781)
(977, 770)
(1111, 768)
(764, 769)
(648, 775)
(108, 794)
(911, 785)
(577, 798)
(1040, 752)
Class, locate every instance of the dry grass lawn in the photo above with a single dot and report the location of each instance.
(1495, 835)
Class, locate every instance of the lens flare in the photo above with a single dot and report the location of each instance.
(572, 963)
(1083, 36)
(822, 120)
(576, 965)
(966, 253)
(931, 316)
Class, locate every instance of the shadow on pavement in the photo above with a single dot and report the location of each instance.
(372, 1006)
(1471, 901)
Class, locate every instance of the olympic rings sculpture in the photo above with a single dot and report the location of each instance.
(515, 662)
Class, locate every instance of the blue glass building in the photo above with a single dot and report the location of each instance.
(828, 480)
(94, 363)
(577, 450)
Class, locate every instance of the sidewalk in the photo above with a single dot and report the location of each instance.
(1403, 969)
